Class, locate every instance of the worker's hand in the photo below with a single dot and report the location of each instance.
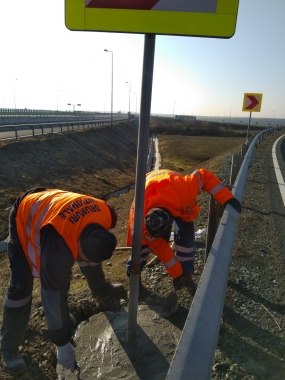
(66, 356)
(179, 282)
(235, 203)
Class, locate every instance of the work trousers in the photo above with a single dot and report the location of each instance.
(18, 300)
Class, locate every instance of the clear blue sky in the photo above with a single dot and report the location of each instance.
(46, 66)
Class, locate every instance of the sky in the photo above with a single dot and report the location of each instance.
(46, 66)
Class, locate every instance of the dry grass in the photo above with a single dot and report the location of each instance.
(183, 152)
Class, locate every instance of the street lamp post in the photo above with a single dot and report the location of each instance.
(130, 85)
(57, 100)
(109, 51)
(14, 94)
(136, 101)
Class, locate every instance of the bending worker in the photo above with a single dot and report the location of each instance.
(170, 199)
(49, 230)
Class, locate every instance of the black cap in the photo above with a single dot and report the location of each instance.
(97, 243)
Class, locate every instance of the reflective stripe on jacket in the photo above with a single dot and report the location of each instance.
(178, 194)
(68, 212)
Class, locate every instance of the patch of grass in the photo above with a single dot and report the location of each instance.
(183, 152)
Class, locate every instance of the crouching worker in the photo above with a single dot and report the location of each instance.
(49, 230)
(170, 200)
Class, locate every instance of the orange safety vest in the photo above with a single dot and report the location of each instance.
(67, 212)
(178, 194)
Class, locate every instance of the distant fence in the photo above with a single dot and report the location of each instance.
(18, 131)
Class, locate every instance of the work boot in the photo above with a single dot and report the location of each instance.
(108, 289)
(13, 361)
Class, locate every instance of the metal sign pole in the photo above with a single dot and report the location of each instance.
(248, 127)
(142, 151)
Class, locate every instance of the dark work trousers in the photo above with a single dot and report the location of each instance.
(184, 239)
(18, 300)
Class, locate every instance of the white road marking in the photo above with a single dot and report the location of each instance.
(278, 173)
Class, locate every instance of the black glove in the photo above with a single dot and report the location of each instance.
(179, 282)
(234, 203)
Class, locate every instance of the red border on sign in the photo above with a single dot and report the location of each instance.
(123, 4)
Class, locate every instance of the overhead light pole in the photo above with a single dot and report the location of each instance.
(136, 101)
(57, 100)
(109, 51)
(14, 93)
(130, 85)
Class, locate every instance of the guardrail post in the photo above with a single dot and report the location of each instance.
(237, 160)
(52, 128)
(42, 129)
(16, 132)
(215, 210)
(244, 149)
(33, 129)
(215, 213)
(61, 127)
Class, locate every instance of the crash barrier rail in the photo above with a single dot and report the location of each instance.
(44, 128)
(195, 352)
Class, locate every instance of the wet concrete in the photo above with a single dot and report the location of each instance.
(103, 353)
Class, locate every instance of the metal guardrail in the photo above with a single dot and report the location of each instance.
(195, 352)
(44, 128)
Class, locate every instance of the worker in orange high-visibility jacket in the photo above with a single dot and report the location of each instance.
(49, 230)
(171, 200)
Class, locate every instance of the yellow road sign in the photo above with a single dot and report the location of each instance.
(252, 102)
(205, 18)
